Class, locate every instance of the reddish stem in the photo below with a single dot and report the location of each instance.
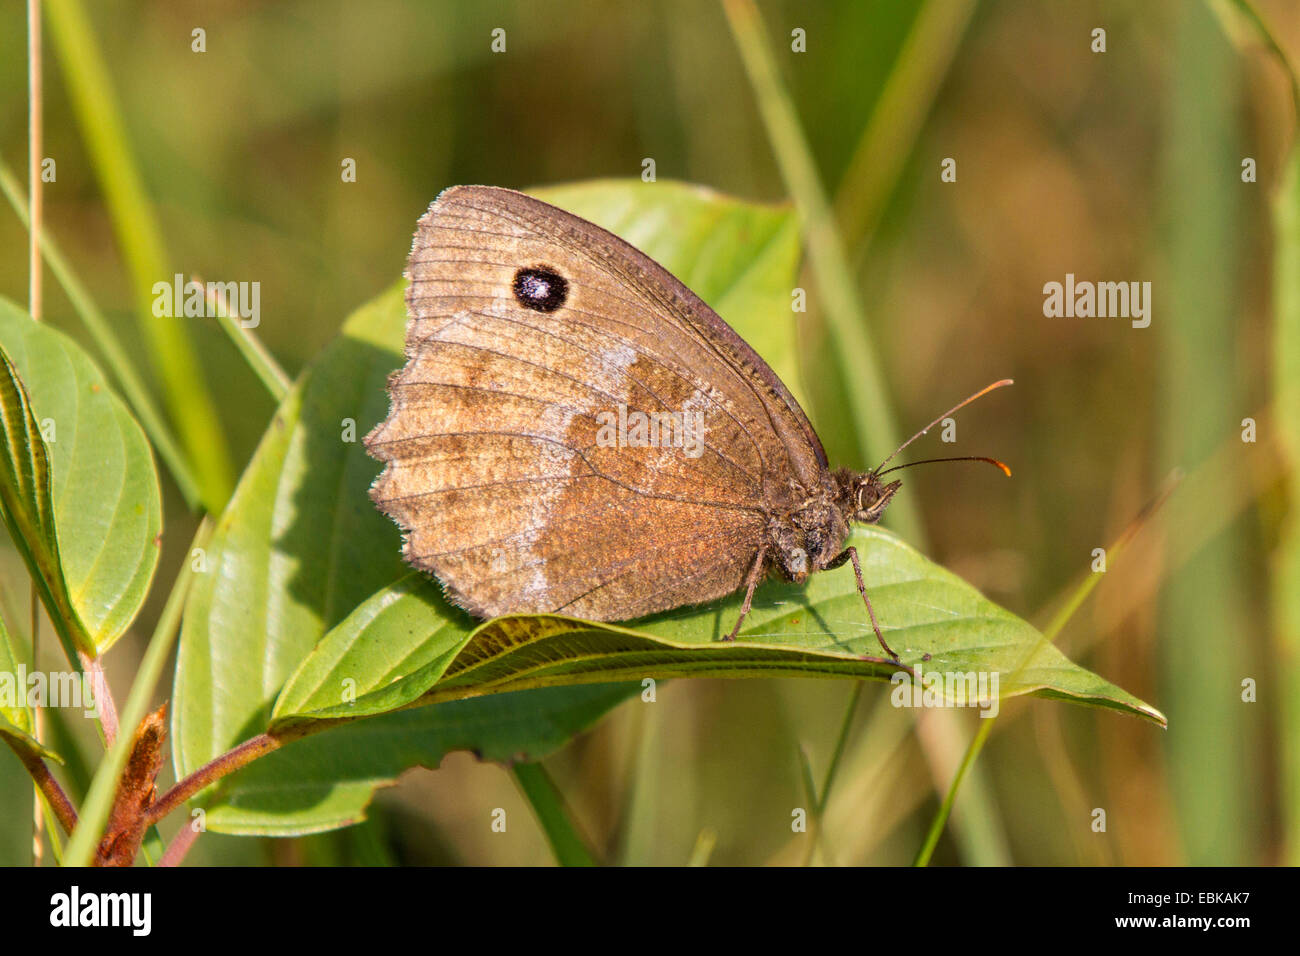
(180, 845)
(49, 787)
(214, 770)
(93, 669)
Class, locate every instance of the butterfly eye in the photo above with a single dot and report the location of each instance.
(541, 289)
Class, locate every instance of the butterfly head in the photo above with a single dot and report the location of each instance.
(870, 497)
(864, 497)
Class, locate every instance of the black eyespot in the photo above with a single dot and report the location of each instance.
(540, 289)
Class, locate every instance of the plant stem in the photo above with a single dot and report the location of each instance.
(95, 809)
(34, 149)
(92, 670)
(1285, 570)
(49, 787)
(704, 844)
(179, 846)
(38, 720)
(244, 754)
(554, 815)
(214, 770)
(35, 134)
(819, 800)
(1260, 26)
(838, 755)
(945, 809)
(814, 834)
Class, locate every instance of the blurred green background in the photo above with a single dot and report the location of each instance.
(1123, 165)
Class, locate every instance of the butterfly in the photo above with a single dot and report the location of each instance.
(576, 432)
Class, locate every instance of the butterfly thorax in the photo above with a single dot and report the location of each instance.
(811, 536)
(806, 540)
(807, 533)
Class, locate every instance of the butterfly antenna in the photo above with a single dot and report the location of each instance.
(960, 405)
(1000, 465)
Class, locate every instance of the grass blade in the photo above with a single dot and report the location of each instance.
(1050, 633)
(554, 815)
(1286, 567)
(1206, 600)
(861, 366)
(869, 402)
(264, 366)
(189, 399)
(896, 120)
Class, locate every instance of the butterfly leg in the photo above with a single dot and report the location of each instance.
(851, 553)
(751, 582)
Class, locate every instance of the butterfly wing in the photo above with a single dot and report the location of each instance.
(574, 430)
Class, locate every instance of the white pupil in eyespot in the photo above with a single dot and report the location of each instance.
(534, 287)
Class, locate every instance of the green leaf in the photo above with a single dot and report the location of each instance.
(933, 619)
(300, 546)
(86, 503)
(396, 645)
(297, 548)
(326, 781)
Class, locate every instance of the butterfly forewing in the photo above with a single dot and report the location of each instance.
(516, 458)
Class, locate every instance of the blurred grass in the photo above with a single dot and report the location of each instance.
(861, 372)
(1285, 567)
(1069, 607)
(118, 364)
(1206, 606)
(1286, 559)
(553, 815)
(898, 117)
(859, 362)
(189, 399)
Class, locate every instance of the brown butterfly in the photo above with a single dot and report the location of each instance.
(576, 432)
